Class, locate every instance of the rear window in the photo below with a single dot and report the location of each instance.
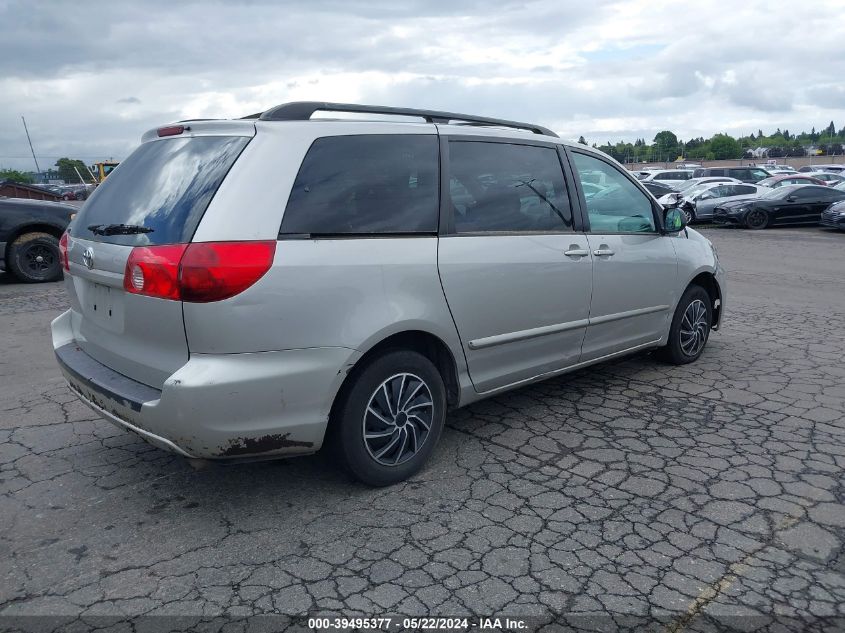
(365, 184)
(164, 186)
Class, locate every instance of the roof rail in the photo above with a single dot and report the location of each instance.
(302, 111)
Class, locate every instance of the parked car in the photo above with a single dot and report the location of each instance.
(834, 169)
(788, 179)
(828, 178)
(695, 205)
(657, 189)
(834, 216)
(792, 204)
(693, 183)
(745, 174)
(668, 176)
(777, 171)
(29, 237)
(642, 173)
(305, 279)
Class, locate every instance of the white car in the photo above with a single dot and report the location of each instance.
(669, 177)
(694, 183)
(831, 169)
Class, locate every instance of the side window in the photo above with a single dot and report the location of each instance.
(620, 207)
(720, 191)
(758, 174)
(366, 184)
(504, 187)
(743, 190)
(805, 193)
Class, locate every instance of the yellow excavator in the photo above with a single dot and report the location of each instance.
(103, 169)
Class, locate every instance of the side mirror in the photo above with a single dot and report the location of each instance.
(705, 196)
(673, 221)
(671, 200)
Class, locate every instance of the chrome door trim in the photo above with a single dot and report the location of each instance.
(608, 318)
(521, 335)
(570, 368)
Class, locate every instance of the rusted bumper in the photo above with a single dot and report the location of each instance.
(226, 406)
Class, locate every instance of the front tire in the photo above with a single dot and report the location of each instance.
(690, 327)
(756, 219)
(389, 420)
(34, 257)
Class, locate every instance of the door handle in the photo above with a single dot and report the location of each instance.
(604, 251)
(577, 252)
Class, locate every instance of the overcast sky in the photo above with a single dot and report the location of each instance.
(90, 77)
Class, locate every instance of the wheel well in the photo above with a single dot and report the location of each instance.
(33, 228)
(421, 342)
(711, 286)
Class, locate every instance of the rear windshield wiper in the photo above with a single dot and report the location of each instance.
(118, 229)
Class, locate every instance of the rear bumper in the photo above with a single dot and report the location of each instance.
(216, 406)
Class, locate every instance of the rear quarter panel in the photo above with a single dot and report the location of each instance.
(349, 293)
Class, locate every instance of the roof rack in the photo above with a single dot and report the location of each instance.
(302, 111)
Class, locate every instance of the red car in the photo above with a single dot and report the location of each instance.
(790, 179)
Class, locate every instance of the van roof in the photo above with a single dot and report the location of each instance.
(303, 111)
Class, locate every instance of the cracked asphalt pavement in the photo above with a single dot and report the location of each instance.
(628, 494)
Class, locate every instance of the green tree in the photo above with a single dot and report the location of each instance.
(723, 146)
(15, 176)
(666, 144)
(581, 140)
(66, 169)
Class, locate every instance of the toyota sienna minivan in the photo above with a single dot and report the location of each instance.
(260, 287)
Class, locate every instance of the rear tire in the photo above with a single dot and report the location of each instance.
(34, 258)
(690, 328)
(389, 420)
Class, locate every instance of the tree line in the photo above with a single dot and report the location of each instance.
(68, 169)
(667, 147)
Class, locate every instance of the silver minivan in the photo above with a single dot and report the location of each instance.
(264, 286)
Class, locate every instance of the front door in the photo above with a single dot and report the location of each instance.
(634, 265)
(516, 275)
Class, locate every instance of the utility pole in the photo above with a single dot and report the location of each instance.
(37, 168)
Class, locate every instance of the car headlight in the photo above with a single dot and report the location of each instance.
(742, 209)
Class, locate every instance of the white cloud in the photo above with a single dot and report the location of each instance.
(90, 82)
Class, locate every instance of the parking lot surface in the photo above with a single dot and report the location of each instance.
(696, 495)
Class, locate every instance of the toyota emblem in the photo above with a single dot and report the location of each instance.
(88, 258)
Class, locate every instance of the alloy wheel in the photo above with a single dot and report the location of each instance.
(694, 326)
(756, 219)
(398, 419)
(39, 259)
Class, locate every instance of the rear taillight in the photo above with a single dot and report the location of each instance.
(154, 271)
(212, 271)
(200, 272)
(63, 252)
